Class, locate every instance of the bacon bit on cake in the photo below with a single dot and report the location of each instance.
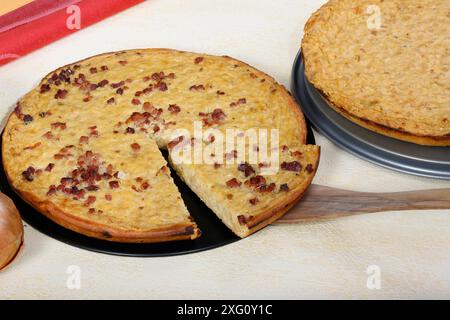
(135, 146)
(90, 200)
(212, 118)
(48, 135)
(44, 88)
(120, 91)
(59, 125)
(284, 187)
(294, 166)
(51, 190)
(114, 184)
(297, 154)
(256, 182)
(64, 153)
(266, 188)
(111, 101)
(220, 93)
(93, 133)
(233, 183)
(93, 87)
(87, 99)
(136, 101)
(162, 86)
(175, 142)
(218, 114)
(196, 87)
(163, 170)
(148, 90)
(284, 148)
(77, 193)
(61, 94)
(198, 60)
(309, 168)
(108, 197)
(253, 201)
(156, 128)
(104, 68)
(91, 210)
(145, 185)
(37, 144)
(66, 181)
(158, 76)
(63, 76)
(29, 174)
(123, 62)
(217, 165)
(27, 119)
(117, 84)
(173, 108)
(93, 70)
(247, 169)
(50, 167)
(102, 83)
(259, 184)
(80, 80)
(151, 111)
(130, 130)
(239, 102)
(139, 119)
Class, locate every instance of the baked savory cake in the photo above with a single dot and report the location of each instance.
(83, 147)
(384, 65)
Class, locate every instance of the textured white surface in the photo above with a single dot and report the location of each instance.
(311, 260)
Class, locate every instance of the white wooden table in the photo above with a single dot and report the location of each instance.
(311, 260)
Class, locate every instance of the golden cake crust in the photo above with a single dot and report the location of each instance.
(184, 85)
(394, 79)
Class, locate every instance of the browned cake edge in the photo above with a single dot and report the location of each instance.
(435, 141)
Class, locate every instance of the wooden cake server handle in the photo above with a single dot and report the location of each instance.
(322, 202)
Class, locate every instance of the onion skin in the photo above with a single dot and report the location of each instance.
(11, 231)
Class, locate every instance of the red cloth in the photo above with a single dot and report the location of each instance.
(42, 22)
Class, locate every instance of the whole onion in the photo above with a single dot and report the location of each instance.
(11, 231)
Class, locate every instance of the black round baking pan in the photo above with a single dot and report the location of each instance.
(390, 153)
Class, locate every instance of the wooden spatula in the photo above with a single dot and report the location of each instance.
(322, 202)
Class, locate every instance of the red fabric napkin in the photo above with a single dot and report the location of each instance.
(44, 21)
